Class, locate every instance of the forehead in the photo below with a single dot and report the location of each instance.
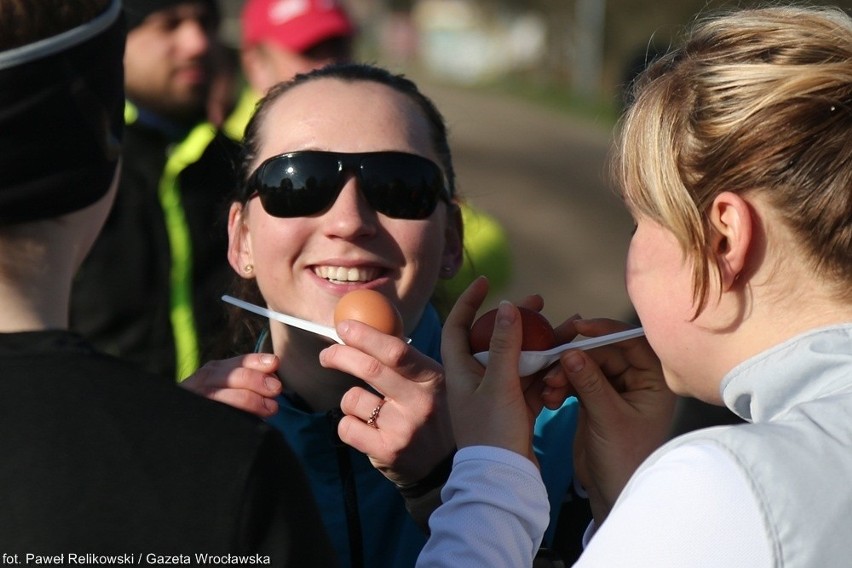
(344, 116)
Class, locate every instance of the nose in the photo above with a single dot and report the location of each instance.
(350, 216)
(195, 38)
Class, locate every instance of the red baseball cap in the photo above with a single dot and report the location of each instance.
(296, 25)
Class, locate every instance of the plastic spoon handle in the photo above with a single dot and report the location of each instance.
(542, 359)
(593, 342)
(532, 361)
(285, 319)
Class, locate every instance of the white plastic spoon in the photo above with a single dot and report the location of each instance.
(532, 361)
(285, 319)
(289, 320)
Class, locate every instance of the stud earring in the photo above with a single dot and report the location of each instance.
(248, 268)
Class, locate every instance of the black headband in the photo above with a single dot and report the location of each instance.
(61, 119)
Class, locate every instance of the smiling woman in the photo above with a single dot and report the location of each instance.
(350, 196)
(348, 185)
(375, 213)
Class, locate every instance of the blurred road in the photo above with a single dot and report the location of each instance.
(542, 174)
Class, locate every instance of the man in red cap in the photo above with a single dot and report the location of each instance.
(281, 38)
(284, 37)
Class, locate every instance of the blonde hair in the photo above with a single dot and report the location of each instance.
(756, 100)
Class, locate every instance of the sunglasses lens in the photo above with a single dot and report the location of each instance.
(298, 185)
(399, 185)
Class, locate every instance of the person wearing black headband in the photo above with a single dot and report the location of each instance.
(101, 463)
(150, 289)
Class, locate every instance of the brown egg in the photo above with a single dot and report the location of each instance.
(538, 334)
(370, 307)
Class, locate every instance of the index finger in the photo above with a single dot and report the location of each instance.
(384, 362)
(455, 337)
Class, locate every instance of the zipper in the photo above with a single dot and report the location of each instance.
(350, 493)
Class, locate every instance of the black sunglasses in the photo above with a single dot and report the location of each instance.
(396, 184)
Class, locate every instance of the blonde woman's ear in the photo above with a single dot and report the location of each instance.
(733, 242)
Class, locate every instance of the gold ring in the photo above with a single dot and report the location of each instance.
(371, 421)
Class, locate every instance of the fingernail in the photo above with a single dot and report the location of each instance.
(271, 384)
(343, 328)
(267, 358)
(269, 404)
(505, 314)
(573, 361)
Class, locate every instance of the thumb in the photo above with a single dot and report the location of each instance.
(591, 385)
(505, 348)
(265, 362)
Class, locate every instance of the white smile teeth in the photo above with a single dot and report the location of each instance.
(346, 273)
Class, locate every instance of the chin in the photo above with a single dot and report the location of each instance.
(690, 390)
(677, 385)
(187, 108)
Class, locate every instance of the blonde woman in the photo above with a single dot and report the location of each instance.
(735, 160)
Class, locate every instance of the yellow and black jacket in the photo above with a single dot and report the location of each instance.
(149, 290)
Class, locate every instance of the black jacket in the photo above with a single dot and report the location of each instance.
(99, 458)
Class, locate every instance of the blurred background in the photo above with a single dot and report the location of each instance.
(531, 90)
(583, 45)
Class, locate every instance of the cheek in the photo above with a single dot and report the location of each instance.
(659, 286)
(147, 53)
(638, 278)
(422, 246)
(652, 279)
(274, 244)
(657, 277)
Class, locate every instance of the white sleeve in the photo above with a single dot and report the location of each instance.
(694, 507)
(494, 513)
